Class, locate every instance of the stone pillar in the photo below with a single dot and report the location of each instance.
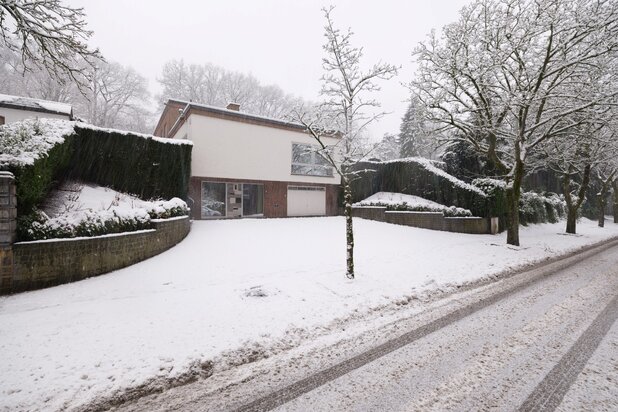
(8, 226)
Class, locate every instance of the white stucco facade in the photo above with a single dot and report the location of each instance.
(239, 150)
(13, 115)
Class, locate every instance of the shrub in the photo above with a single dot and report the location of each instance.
(38, 226)
(448, 211)
(418, 177)
(537, 208)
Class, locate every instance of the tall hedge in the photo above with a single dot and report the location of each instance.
(131, 163)
(415, 177)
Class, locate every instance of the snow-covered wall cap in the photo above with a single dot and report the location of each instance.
(37, 105)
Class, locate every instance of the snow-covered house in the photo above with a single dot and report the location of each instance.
(247, 165)
(14, 108)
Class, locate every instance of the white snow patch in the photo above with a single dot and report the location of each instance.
(230, 291)
(391, 198)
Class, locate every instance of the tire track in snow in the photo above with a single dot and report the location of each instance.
(549, 393)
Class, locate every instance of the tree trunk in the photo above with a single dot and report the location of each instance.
(349, 232)
(513, 193)
(601, 201)
(512, 217)
(571, 220)
(573, 206)
(615, 184)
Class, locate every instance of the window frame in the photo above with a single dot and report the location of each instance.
(317, 163)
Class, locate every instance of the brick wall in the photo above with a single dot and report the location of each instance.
(41, 264)
(429, 220)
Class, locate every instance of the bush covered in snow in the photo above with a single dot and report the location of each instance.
(39, 226)
(537, 208)
(448, 211)
(419, 177)
(90, 223)
(37, 152)
(410, 203)
(165, 209)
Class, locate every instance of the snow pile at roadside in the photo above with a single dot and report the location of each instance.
(233, 292)
(22, 143)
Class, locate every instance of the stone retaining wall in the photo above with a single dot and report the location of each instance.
(429, 220)
(45, 263)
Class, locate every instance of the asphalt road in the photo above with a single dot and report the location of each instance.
(543, 340)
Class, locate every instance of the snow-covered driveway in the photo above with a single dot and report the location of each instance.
(231, 292)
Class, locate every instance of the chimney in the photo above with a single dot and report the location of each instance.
(233, 106)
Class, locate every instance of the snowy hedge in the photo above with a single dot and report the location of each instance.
(143, 165)
(533, 207)
(41, 152)
(419, 177)
(541, 208)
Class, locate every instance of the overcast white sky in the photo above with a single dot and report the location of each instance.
(278, 41)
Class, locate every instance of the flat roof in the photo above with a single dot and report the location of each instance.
(35, 105)
(237, 115)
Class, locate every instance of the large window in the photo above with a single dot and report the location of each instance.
(232, 200)
(307, 161)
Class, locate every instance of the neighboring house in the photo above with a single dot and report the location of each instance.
(246, 165)
(14, 108)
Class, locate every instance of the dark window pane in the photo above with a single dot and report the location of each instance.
(252, 200)
(213, 199)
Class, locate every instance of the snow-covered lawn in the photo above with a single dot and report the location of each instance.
(254, 285)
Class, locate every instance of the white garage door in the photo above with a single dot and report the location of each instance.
(306, 201)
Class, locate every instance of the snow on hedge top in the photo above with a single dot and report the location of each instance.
(394, 199)
(127, 133)
(36, 104)
(429, 165)
(22, 143)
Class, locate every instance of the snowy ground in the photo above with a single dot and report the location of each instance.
(231, 292)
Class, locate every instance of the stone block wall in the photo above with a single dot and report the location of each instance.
(429, 220)
(46, 263)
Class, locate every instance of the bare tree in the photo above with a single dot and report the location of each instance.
(48, 35)
(117, 97)
(214, 85)
(113, 95)
(503, 77)
(345, 87)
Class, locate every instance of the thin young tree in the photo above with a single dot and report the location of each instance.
(346, 89)
(48, 35)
